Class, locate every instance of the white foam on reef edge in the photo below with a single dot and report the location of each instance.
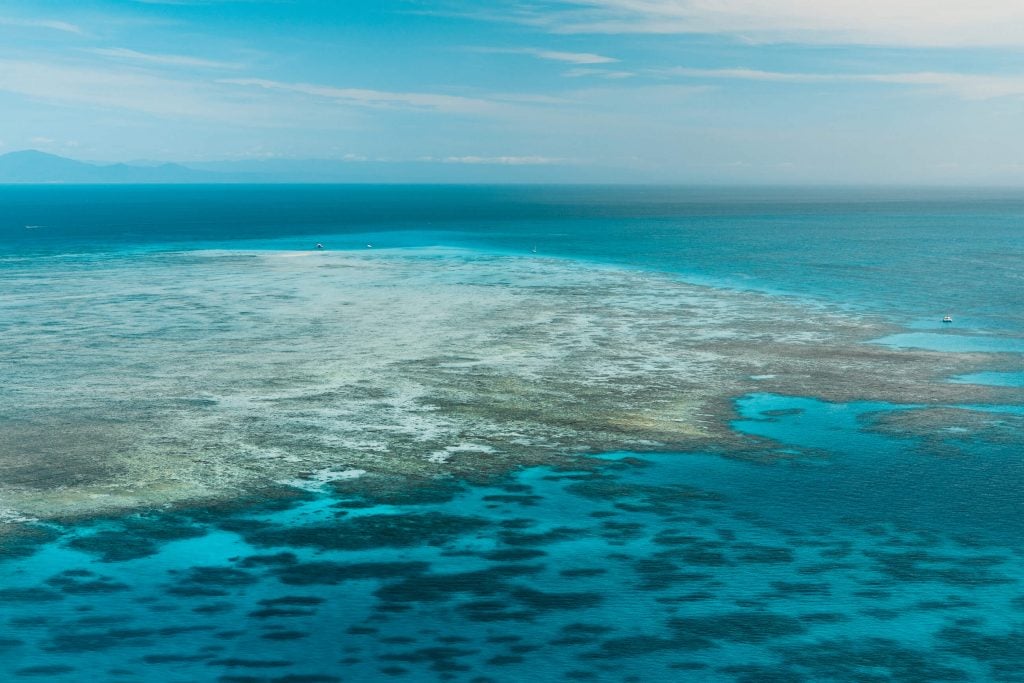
(9, 516)
(442, 456)
(316, 480)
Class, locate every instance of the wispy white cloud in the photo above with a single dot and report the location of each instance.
(162, 59)
(75, 84)
(967, 86)
(570, 57)
(551, 55)
(375, 98)
(868, 22)
(51, 24)
(528, 98)
(599, 73)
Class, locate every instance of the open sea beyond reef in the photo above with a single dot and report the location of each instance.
(511, 433)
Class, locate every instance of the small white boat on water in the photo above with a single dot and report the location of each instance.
(947, 319)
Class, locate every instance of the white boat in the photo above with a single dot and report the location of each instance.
(948, 319)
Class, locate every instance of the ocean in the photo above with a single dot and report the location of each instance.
(507, 433)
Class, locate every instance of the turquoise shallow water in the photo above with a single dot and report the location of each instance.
(851, 565)
(856, 547)
(951, 342)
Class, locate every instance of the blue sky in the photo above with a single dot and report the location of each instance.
(723, 91)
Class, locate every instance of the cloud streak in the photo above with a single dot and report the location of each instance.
(967, 86)
(924, 23)
(581, 58)
(50, 24)
(570, 57)
(162, 59)
(612, 74)
(375, 98)
(133, 90)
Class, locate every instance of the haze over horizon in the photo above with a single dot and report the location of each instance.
(742, 91)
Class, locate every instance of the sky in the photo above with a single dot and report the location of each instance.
(678, 91)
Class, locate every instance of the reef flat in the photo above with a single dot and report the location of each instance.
(136, 381)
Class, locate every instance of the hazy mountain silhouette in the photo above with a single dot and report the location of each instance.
(32, 166)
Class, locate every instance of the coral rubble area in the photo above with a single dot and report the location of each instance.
(136, 381)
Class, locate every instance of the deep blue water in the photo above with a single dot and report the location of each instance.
(861, 555)
(913, 254)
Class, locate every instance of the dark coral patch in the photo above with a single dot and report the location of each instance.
(435, 587)
(301, 600)
(922, 566)
(275, 560)
(280, 613)
(638, 646)
(330, 573)
(29, 595)
(514, 554)
(138, 537)
(93, 641)
(510, 499)
(284, 635)
(582, 572)
(218, 576)
(495, 610)
(868, 659)
(174, 658)
(238, 662)
(214, 608)
(22, 540)
(75, 582)
(557, 535)
(761, 554)
(760, 673)
(739, 627)
(433, 655)
(823, 618)
(44, 670)
(541, 600)
(788, 589)
(372, 531)
(1002, 651)
(423, 492)
(517, 523)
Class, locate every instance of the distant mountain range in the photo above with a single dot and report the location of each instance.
(32, 166)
